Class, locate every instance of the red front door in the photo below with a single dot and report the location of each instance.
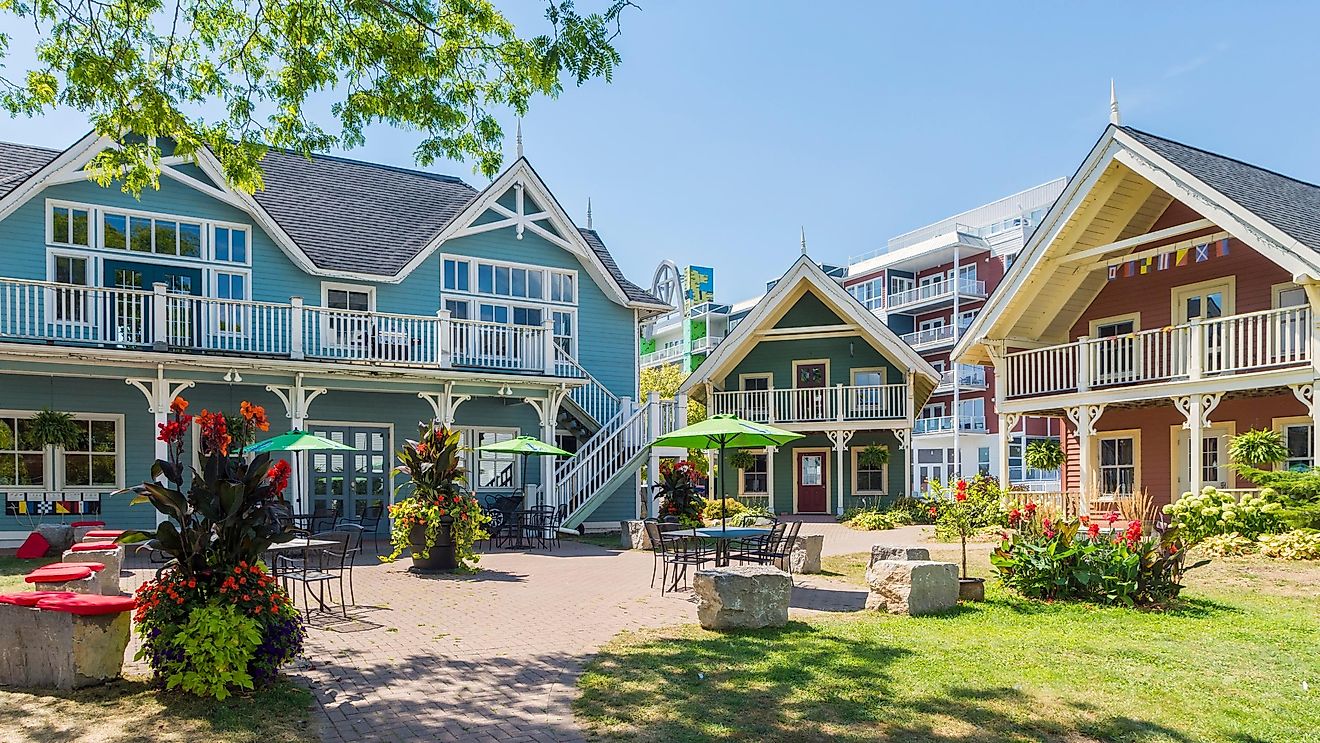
(812, 494)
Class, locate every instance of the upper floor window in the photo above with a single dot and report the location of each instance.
(142, 234)
(231, 245)
(509, 280)
(347, 297)
(70, 225)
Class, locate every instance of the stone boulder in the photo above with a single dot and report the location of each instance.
(742, 597)
(50, 649)
(912, 587)
(803, 554)
(59, 536)
(890, 552)
(632, 534)
(105, 582)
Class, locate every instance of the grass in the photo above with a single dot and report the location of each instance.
(131, 710)
(1228, 665)
(13, 569)
(607, 539)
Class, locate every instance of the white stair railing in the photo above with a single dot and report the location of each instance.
(605, 455)
(593, 397)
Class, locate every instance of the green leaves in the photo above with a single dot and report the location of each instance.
(237, 76)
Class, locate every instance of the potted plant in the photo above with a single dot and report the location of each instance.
(961, 515)
(677, 493)
(1257, 449)
(441, 521)
(873, 456)
(53, 428)
(1044, 454)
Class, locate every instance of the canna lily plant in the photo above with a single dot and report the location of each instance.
(440, 499)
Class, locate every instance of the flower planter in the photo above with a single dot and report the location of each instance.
(971, 589)
(441, 556)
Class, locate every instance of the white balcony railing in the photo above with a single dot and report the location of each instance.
(930, 336)
(665, 355)
(1236, 344)
(935, 292)
(945, 424)
(969, 376)
(39, 311)
(818, 405)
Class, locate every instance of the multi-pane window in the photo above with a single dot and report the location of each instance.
(456, 275)
(70, 304)
(1298, 440)
(348, 299)
(93, 461)
(563, 330)
(870, 478)
(755, 479)
(1118, 465)
(561, 288)
(458, 309)
(22, 461)
(231, 245)
(69, 226)
(150, 235)
(230, 318)
(983, 460)
(230, 285)
(495, 470)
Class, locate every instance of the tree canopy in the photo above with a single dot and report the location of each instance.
(239, 76)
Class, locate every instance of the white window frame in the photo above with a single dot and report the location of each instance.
(474, 282)
(208, 245)
(1281, 425)
(856, 470)
(92, 219)
(53, 465)
(471, 438)
(1131, 433)
(96, 235)
(1178, 296)
(329, 286)
(769, 472)
(93, 266)
(882, 371)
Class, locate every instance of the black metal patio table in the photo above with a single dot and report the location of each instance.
(723, 538)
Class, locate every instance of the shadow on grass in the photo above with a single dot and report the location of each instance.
(800, 683)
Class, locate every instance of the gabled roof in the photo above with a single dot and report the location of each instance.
(343, 217)
(1126, 181)
(804, 276)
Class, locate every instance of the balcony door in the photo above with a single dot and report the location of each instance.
(1115, 351)
(810, 378)
(1207, 301)
(756, 400)
(130, 315)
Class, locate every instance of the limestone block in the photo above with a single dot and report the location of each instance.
(744, 596)
(632, 535)
(890, 552)
(90, 584)
(107, 581)
(912, 587)
(804, 554)
(59, 536)
(49, 649)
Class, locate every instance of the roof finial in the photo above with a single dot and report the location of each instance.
(518, 137)
(804, 240)
(589, 213)
(1113, 103)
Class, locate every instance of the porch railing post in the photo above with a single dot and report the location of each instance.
(1195, 350)
(444, 355)
(1083, 364)
(296, 328)
(838, 401)
(548, 345)
(159, 316)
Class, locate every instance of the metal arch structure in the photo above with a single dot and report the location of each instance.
(667, 284)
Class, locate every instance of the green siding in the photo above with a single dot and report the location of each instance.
(785, 456)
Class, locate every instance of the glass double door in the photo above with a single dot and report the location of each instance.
(350, 482)
(129, 315)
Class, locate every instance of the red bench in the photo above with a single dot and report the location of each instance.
(93, 546)
(40, 631)
(103, 534)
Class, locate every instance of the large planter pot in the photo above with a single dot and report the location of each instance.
(441, 556)
(971, 589)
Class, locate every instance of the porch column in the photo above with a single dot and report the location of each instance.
(1007, 422)
(904, 436)
(840, 440)
(770, 452)
(547, 412)
(1305, 394)
(653, 465)
(160, 392)
(1084, 418)
(1196, 409)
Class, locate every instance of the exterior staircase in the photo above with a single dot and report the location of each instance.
(613, 456)
(592, 404)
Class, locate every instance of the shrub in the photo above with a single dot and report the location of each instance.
(1298, 544)
(677, 491)
(752, 516)
(1212, 512)
(1232, 544)
(729, 507)
(1298, 487)
(917, 510)
(1047, 559)
(870, 519)
(983, 505)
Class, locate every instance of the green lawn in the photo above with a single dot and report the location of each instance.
(1228, 665)
(13, 569)
(608, 539)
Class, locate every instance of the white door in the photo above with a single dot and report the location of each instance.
(1206, 302)
(1214, 459)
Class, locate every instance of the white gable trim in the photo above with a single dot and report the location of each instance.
(1115, 145)
(749, 332)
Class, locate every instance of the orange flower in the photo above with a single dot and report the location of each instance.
(255, 415)
(179, 405)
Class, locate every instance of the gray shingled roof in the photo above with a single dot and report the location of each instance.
(1287, 203)
(347, 215)
(19, 161)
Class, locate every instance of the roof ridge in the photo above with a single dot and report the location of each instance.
(1212, 153)
(371, 164)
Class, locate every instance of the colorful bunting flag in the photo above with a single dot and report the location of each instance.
(1113, 272)
(1221, 248)
(1162, 261)
(1182, 257)
(1202, 253)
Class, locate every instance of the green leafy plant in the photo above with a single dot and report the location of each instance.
(753, 516)
(983, 505)
(1231, 544)
(873, 456)
(677, 491)
(215, 646)
(961, 513)
(1257, 448)
(740, 459)
(440, 499)
(714, 510)
(232, 511)
(1298, 544)
(53, 428)
(1044, 454)
(1213, 512)
(871, 519)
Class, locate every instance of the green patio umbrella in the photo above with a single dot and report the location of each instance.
(297, 441)
(726, 432)
(527, 446)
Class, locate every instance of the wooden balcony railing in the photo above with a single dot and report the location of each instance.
(1237, 344)
(843, 403)
(66, 314)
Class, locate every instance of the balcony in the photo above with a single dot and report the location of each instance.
(969, 377)
(1225, 346)
(828, 405)
(935, 296)
(72, 315)
(666, 355)
(932, 338)
(945, 424)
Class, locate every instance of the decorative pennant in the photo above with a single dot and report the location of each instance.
(1182, 257)
(1162, 261)
(1221, 248)
(1113, 272)
(1202, 253)
(1146, 264)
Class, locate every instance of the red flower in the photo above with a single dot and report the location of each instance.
(178, 406)
(215, 433)
(278, 477)
(1113, 516)
(1031, 508)
(255, 415)
(933, 511)
(961, 490)
(172, 432)
(1014, 517)
(1093, 531)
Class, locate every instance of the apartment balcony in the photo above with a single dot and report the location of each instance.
(969, 377)
(668, 355)
(932, 339)
(841, 405)
(946, 424)
(1225, 347)
(935, 296)
(72, 315)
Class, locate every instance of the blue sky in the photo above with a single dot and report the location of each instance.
(730, 124)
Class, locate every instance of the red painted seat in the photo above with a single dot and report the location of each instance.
(88, 605)
(30, 598)
(59, 573)
(33, 547)
(92, 524)
(93, 546)
(104, 534)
